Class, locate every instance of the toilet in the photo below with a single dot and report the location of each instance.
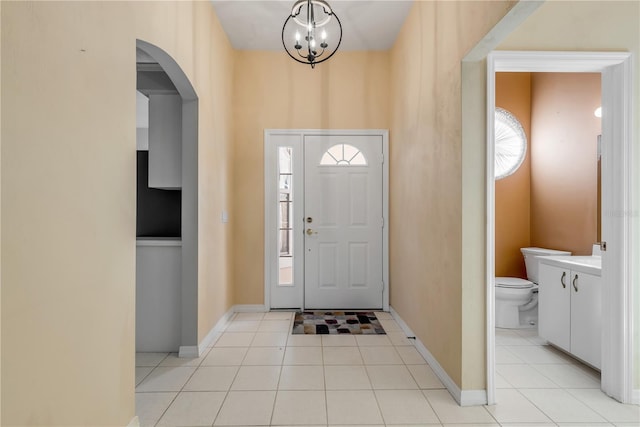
(517, 299)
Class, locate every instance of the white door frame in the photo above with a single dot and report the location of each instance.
(270, 210)
(617, 225)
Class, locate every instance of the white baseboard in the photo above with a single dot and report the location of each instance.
(635, 396)
(463, 397)
(192, 351)
(135, 422)
(249, 308)
(216, 331)
(189, 351)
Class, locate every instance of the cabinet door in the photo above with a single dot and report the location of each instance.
(554, 305)
(165, 141)
(586, 296)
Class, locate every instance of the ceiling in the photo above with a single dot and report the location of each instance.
(257, 25)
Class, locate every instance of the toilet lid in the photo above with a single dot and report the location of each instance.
(513, 283)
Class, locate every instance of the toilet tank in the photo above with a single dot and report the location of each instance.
(531, 260)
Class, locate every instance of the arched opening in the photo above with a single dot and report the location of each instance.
(167, 251)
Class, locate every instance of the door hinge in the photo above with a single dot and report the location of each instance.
(382, 158)
(382, 286)
(382, 222)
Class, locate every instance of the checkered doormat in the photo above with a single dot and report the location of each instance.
(337, 322)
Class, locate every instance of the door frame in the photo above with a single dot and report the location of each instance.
(618, 227)
(270, 209)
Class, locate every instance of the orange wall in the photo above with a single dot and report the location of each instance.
(564, 163)
(513, 93)
(551, 201)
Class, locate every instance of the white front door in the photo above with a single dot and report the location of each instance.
(343, 221)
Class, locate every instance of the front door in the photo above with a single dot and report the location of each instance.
(343, 221)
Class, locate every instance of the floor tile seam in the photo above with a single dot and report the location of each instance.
(537, 407)
(486, 409)
(556, 382)
(568, 390)
(143, 378)
(226, 396)
(423, 396)
(166, 409)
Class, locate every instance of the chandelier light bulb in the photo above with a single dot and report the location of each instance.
(297, 37)
(324, 35)
(313, 43)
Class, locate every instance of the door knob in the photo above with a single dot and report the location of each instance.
(311, 232)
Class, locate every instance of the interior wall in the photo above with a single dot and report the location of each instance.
(594, 26)
(426, 184)
(513, 193)
(68, 262)
(271, 91)
(564, 170)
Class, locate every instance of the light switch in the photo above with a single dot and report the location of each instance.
(225, 217)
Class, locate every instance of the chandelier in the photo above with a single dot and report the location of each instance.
(312, 33)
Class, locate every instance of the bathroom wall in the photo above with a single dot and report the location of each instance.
(513, 193)
(564, 169)
(551, 201)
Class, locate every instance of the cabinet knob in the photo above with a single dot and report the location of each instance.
(564, 274)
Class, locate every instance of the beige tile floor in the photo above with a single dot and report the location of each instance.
(258, 374)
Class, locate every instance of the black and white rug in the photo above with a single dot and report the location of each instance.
(337, 322)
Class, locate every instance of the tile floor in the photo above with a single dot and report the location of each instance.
(257, 374)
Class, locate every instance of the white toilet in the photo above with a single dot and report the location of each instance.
(517, 299)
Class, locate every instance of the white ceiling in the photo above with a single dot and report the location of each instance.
(366, 24)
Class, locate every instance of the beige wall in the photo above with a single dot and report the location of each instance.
(564, 171)
(68, 197)
(426, 184)
(601, 25)
(351, 91)
(513, 195)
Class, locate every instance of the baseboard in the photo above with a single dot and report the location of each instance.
(215, 332)
(473, 397)
(635, 396)
(192, 351)
(249, 308)
(189, 351)
(135, 422)
(463, 397)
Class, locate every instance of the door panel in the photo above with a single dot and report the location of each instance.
(344, 218)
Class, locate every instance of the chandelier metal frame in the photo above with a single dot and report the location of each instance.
(310, 25)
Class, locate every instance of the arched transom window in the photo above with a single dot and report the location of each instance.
(343, 155)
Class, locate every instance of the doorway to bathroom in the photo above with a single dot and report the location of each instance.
(616, 304)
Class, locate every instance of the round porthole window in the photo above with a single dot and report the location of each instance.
(510, 144)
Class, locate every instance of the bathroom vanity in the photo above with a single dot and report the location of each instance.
(569, 310)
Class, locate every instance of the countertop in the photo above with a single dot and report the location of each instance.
(586, 264)
(158, 241)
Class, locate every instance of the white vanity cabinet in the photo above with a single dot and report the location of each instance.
(554, 305)
(569, 309)
(586, 317)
